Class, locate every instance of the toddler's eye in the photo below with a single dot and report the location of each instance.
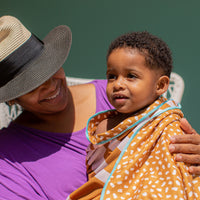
(111, 76)
(131, 76)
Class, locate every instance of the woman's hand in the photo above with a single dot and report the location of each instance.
(187, 147)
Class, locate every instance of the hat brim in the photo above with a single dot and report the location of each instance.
(56, 49)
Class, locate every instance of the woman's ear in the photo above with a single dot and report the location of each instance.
(162, 85)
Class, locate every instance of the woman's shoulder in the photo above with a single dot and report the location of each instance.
(95, 91)
(96, 87)
(98, 83)
(82, 90)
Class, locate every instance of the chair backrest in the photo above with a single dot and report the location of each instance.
(175, 91)
(76, 81)
(176, 88)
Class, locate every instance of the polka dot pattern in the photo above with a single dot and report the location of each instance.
(146, 170)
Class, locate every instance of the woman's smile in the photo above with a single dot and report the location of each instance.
(54, 95)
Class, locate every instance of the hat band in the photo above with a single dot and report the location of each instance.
(16, 61)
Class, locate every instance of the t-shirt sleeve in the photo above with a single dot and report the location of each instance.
(102, 102)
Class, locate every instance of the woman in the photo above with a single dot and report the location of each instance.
(42, 153)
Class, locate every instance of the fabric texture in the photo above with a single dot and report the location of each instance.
(132, 160)
(32, 72)
(38, 165)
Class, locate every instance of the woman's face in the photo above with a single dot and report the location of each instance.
(48, 98)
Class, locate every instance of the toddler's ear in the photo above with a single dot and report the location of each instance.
(162, 85)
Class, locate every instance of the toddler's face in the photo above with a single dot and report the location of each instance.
(131, 84)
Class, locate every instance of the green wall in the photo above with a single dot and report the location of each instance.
(95, 24)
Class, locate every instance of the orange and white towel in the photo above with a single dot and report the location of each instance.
(132, 160)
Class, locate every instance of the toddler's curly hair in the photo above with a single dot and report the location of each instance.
(156, 52)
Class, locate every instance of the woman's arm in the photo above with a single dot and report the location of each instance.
(187, 147)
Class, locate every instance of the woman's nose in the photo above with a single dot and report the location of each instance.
(48, 83)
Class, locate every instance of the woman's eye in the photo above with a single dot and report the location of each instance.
(111, 76)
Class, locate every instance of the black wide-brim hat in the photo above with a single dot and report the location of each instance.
(26, 62)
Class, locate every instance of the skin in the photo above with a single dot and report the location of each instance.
(131, 84)
(50, 97)
(73, 113)
(187, 147)
(55, 107)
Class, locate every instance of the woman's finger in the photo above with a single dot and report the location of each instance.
(189, 159)
(194, 170)
(186, 139)
(186, 127)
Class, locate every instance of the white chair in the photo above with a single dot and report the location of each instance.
(76, 81)
(176, 88)
(175, 91)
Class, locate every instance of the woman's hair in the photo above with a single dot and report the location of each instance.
(156, 52)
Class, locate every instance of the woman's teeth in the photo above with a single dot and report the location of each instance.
(54, 96)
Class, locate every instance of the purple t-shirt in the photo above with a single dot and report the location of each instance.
(38, 165)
